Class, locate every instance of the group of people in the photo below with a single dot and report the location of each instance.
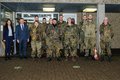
(59, 37)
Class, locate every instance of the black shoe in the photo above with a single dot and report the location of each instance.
(9, 58)
(86, 57)
(102, 58)
(6, 59)
(25, 57)
(92, 57)
(21, 57)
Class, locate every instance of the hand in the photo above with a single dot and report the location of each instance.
(13, 40)
(18, 41)
(27, 40)
(4, 40)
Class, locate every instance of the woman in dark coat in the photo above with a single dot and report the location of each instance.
(8, 37)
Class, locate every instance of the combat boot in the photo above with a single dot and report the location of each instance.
(66, 58)
(49, 59)
(58, 59)
(73, 59)
(109, 58)
(102, 58)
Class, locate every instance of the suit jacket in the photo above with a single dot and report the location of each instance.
(22, 34)
(6, 32)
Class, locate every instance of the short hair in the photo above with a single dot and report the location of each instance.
(72, 20)
(44, 18)
(60, 14)
(36, 16)
(54, 19)
(21, 18)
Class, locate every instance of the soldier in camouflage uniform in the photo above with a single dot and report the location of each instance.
(49, 40)
(70, 40)
(35, 33)
(61, 26)
(43, 27)
(106, 34)
(53, 40)
(76, 33)
(90, 37)
(82, 26)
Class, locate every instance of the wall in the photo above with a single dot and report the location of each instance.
(114, 19)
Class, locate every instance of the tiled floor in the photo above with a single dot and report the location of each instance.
(27, 69)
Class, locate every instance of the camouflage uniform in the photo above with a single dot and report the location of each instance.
(90, 38)
(53, 41)
(43, 28)
(35, 33)
(61, 26)
(81, 28)
(106, 34)
(71, 37)
(49, 40)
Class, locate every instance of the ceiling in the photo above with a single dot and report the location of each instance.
(60, 7)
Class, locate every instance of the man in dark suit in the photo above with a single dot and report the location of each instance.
(22, 36)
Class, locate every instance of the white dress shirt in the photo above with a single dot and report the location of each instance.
(22, 26)
(9, 31)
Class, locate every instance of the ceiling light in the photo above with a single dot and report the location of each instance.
(48, 9)
(90, 10)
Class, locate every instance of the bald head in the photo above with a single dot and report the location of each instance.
(105, 21)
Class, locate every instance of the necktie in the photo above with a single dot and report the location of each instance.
(22, 27)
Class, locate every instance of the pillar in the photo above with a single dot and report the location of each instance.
(100, 17)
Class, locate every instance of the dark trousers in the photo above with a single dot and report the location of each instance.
(22, 48)
(8, 45)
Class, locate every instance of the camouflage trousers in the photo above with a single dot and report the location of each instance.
(70, 47)
(49, 47)
(56, 48)
(105, 48)
(90, 43)
(81, 45)
(36, 48)
(53, 48)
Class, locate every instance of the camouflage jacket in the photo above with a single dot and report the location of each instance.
(82, 25)
(53, 32)
(35, 33)
(43, 27)
(61, 26)
(106, 32)
(90, 30)
(71, 31)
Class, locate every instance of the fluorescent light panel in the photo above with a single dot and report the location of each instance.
(48, 9)
(90, 10)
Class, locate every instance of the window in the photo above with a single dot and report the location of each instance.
(30, 16)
